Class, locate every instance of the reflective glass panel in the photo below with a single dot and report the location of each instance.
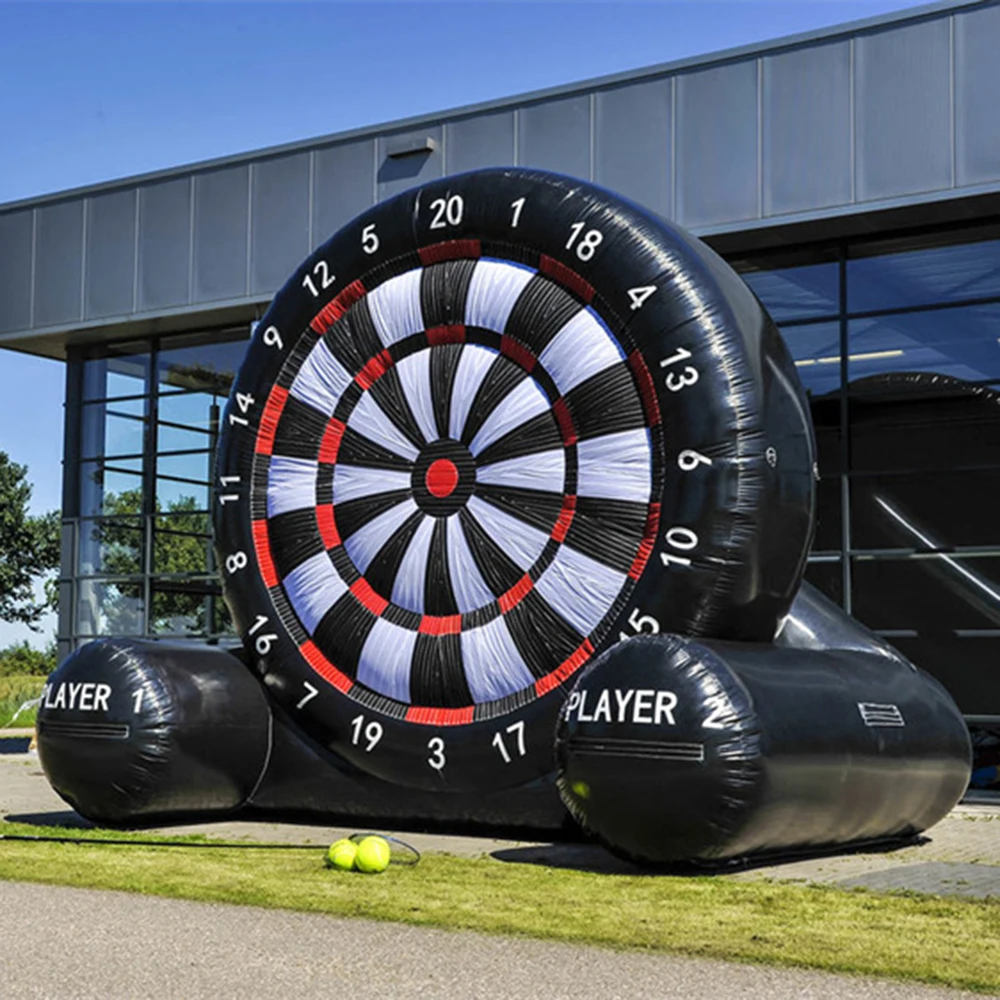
(182, 439)
(111, 546)
(182, 543)
(913, 422)
(185, 364)
(174, 496)
(943, 612)
(195, 410)
(182, 607)
(116, 428)
(797, 292)
(123, 372)
(968, 270)
(985, 757)
(962, 342)
(815, 348)
(194, 467)
(110, 607)
(925, 510)
(827, 577)
(111, 487)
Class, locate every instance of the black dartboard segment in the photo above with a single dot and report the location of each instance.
(464, 456)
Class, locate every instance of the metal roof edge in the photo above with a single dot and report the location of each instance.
(927, 11)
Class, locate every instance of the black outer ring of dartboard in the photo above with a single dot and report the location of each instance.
(708, 313)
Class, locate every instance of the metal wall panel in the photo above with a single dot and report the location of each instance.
(279, 221)
(400, 173)
(343, 186)
(58, 263)
(164, 245)
(903, 110)
(977, 96)
(482, 141)
(15, 271)
(220, 234)
(717, 168)
(555, 136)
(633, 143)
(806, 128)
(110, 264)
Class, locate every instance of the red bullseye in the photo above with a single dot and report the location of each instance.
(441, 478)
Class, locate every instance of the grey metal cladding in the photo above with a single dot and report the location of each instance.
(343, 186)
(806, 128)
(480, 141)
(555, 135)
(279, 221)
(15, 271)
(220, 233)
(903, 110)
(717, 154)
(58, 263)
(977, 96)
(164, 244)
(397, 174)
(109, 281)
(633, 143)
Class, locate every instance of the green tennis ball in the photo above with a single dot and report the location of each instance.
(373, 855)
(341, 855)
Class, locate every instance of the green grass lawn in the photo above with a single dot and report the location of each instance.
(14, 692)
(953, 942)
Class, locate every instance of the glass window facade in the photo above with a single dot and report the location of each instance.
(903, 373)
(138, 487)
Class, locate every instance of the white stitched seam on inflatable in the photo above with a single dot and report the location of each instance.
(518, 540)
(395, 307)
(545, 470)
(616, 466)
(364, 544)
(415, 377)
(291, 484)
(321, 380)
(351, 482)
(313, 587)
(524, 401)
(370, 421)
(386, 660)
(582, 348)
(473, 364)
(581, 589)
(467, 583)
(494, 290)
(493, 666)
(411, 577)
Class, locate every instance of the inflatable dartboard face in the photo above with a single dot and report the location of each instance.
(492, 426)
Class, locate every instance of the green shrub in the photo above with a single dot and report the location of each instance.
(22, 660)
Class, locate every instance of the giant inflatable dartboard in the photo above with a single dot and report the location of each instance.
(492, 426)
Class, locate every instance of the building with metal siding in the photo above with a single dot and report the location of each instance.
(852, 175)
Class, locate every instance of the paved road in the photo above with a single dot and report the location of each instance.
(81, 944)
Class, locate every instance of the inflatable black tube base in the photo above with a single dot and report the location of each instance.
(130, 732)
(678, 750)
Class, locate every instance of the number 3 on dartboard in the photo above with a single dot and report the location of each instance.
(437, 759)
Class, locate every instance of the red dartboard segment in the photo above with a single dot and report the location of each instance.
(270, 418)
(338, 307)
(325, 668)
(450, 250)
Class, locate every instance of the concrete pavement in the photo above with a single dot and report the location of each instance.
(83, 944)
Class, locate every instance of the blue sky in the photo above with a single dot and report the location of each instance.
(96, 91)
